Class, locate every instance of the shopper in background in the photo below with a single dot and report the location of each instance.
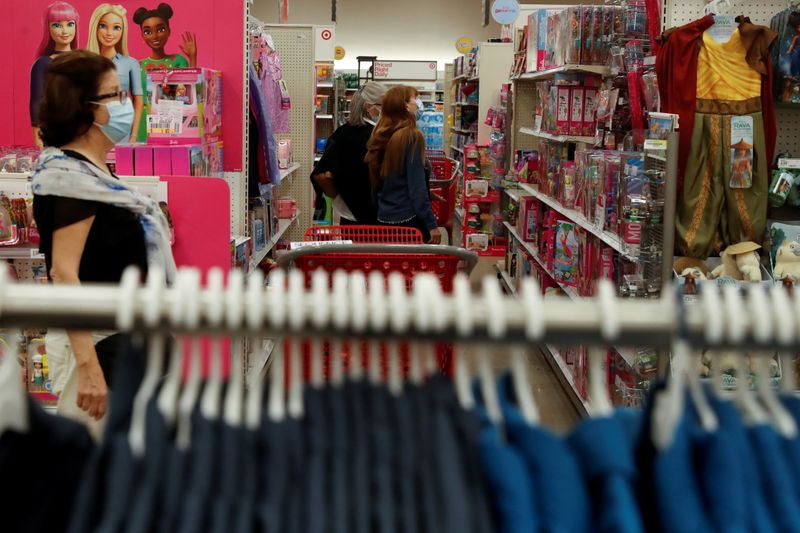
(91, 226)
(342, 173)
(396, 159)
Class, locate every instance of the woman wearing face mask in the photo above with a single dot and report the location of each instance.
(396, 159)
(342, 173)
(91, 226)
(108, 36)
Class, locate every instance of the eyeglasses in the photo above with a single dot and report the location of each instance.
(122, 95)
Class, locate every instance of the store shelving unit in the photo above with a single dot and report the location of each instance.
(283, 226)
(558, 138)
(550, 73)
(285, 173)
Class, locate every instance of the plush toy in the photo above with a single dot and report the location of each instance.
(694, 272)
(787, 261)
(739, 261)
(682, 264)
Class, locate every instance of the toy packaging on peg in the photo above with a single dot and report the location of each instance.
(784, 251)
(184, 106)
(177, 160)
(786, 55)
(18, 159)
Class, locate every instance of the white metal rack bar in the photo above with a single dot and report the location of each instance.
(277, 311)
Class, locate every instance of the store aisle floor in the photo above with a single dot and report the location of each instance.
(556, 410)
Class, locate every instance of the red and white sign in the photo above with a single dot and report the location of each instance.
(324, 43)
(406, 70)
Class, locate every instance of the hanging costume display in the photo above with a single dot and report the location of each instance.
(727, 131)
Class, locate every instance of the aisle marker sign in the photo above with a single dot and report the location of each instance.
(505, 11)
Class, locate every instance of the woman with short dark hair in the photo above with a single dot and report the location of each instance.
(91, 226)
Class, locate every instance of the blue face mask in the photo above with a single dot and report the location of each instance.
(420, 108)
(120, 121)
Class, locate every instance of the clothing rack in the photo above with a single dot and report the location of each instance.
(350, 305)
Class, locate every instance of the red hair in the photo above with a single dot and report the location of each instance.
(395, 132)
(53, 13)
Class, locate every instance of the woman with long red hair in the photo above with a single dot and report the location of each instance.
(396, 160)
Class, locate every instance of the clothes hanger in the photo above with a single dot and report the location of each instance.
(785, 333)
(462, 295)
(395, 380)
(211, 401)
(276, 310)
(168, 396)
(191, 389)
(151, 314)
(523, 391)
(751, 411)
(254, 295)
(669, 403)
(234, 307)
(14, 410)
(763, 332)
(426, 296)
(488, 385)
(295, 304)
(320, 318)
(705, 414)
(600, 401)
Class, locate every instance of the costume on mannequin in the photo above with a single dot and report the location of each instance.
(730, 80)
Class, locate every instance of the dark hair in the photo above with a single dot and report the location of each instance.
(794, 19)
(163, 11)
(71, 81)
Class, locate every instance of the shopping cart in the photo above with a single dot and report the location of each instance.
(382, 249)
(443, 187)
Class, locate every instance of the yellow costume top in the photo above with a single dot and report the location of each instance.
(723, 72)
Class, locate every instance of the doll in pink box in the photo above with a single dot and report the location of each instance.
(60, 35)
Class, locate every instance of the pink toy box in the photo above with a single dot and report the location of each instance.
(184, 106)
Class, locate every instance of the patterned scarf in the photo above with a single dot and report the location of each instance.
(59, 175)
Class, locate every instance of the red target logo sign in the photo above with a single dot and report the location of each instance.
(326, 35)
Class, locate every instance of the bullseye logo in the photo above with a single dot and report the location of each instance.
(432, 66)
(326, 35)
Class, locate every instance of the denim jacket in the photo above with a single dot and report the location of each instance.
(405, 194)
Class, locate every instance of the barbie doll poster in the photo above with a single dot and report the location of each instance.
(139, 36)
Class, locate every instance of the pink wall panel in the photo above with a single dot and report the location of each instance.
(218, 24)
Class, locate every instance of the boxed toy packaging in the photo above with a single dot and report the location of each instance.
(184, 106)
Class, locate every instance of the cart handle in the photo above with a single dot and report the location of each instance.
(469, 257)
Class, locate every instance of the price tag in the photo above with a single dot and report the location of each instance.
(655, 144)
(317, 244)
(787, 162)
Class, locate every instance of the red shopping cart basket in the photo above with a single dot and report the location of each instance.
(407, 259)
(443, 187)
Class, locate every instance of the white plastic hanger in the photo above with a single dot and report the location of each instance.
(668, 404)
(211, 402)
(191, 389)
(295, 308)
(717, 7)
(522, 386)
(276, 409)
(533, 303)
(714, 328)
(751, 411)
(488, 386)
(254, 295)
(708, 419)
(762, 328)
(296, 407)
(319, 297)
(151, 313)
(600, 401)
(14, 414)
(234, 306)
(168, 397)
(462, 295)
(785, 327)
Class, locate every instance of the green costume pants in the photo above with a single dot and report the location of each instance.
(712, 215)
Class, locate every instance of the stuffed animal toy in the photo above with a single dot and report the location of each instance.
(739, 261)
(682, 264)
(787, 261)
(695, 272)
